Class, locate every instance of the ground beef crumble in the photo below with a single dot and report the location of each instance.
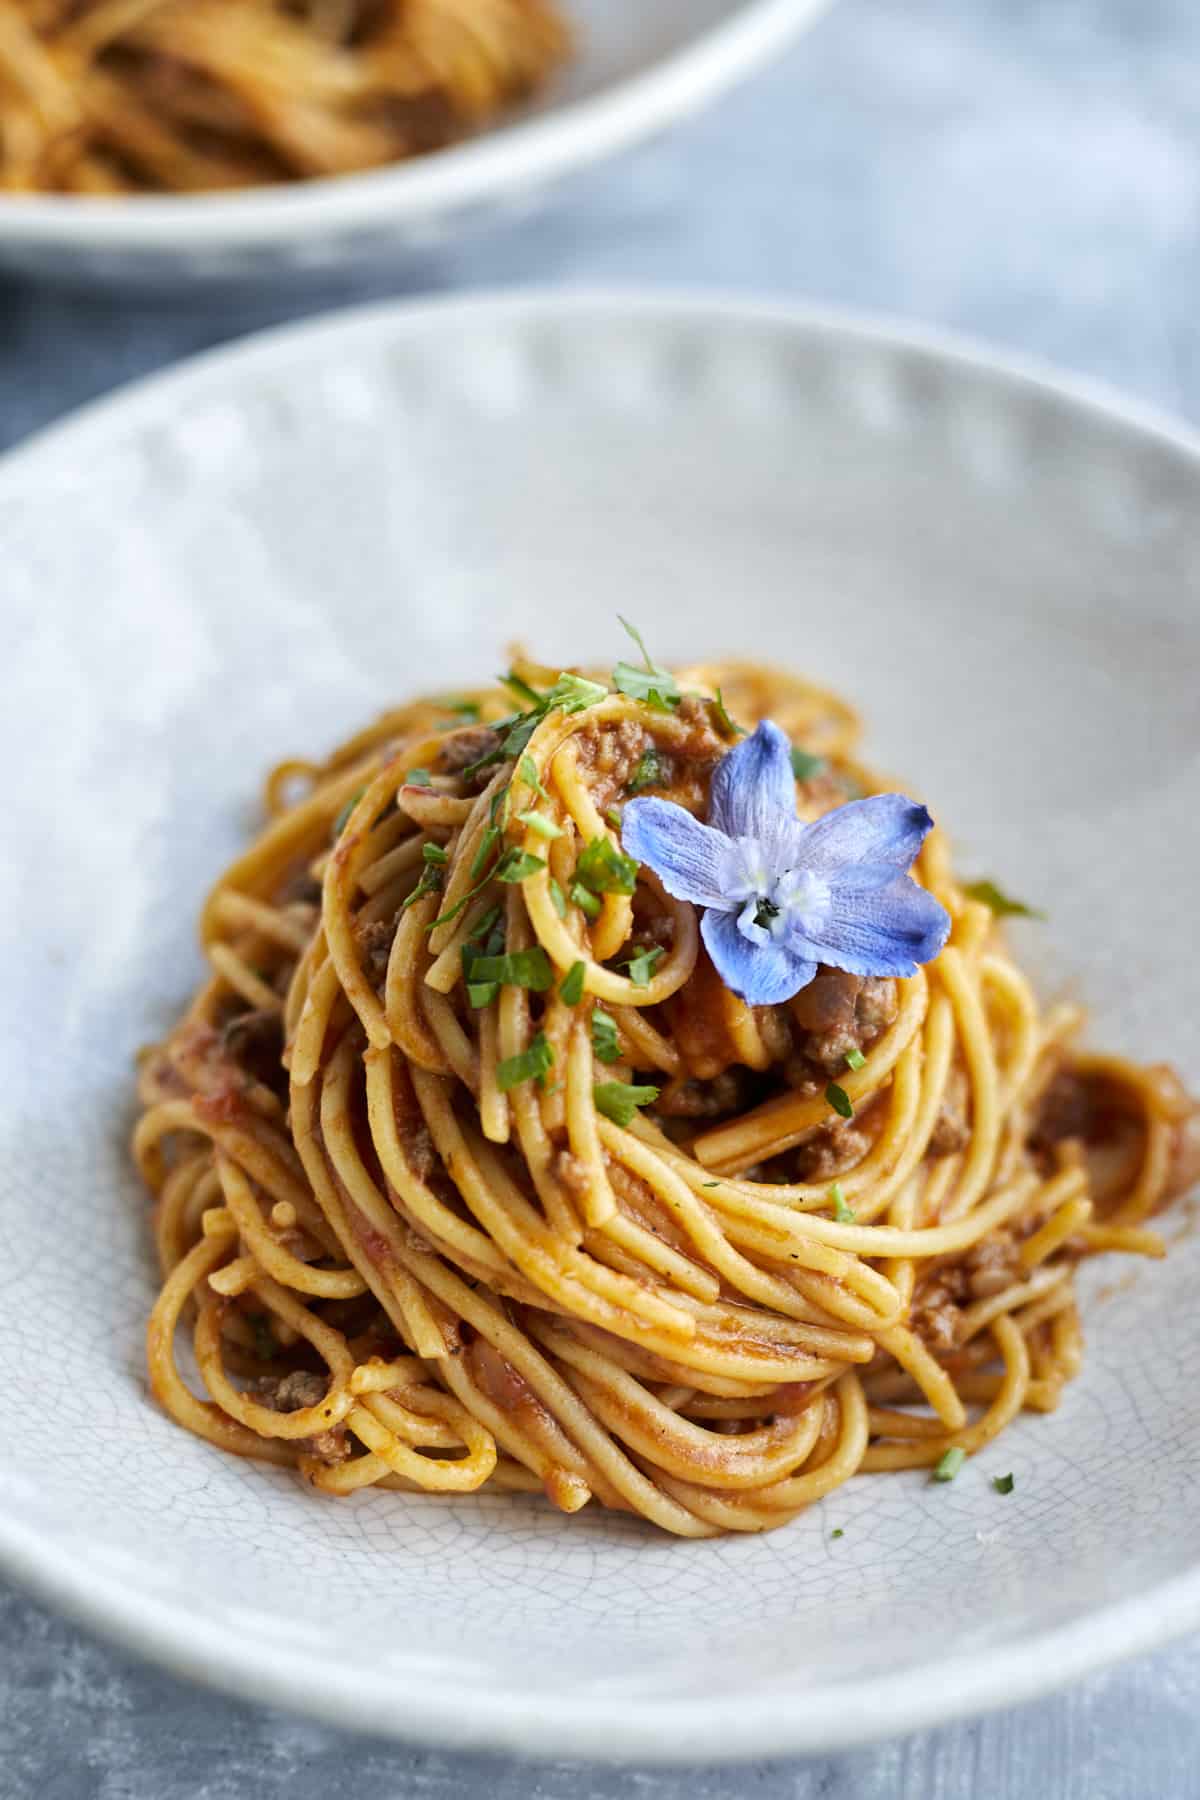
(839, 1013)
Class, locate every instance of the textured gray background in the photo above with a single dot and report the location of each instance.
(1024, 170)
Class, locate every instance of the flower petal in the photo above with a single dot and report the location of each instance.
(690, 859)
(882, 930)
(762, 974)
(886, 828)
(753, 784)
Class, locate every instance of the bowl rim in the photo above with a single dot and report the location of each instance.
(804, 1720)
(522, 153)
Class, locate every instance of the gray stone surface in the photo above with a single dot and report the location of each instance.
(1027, 171)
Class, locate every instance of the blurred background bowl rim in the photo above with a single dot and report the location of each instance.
(692, 1730)
(519, 153)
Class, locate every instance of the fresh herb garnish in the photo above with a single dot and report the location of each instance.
(710, 1184)
(484, 925)
(837, 1532)
(572, 693)
(727, 726)
(558, 899)
(840, 1100)
(855, 1059)
(521, 688)
(805, 765)
(1002, 904)
(418, 778)
(517, 865)
(641, 966)
(603, 869)
(430, 883)
(649, 772)
(1003, 1484)
(486, 940)
(529, 775)
(339, 824)
(516, 968)
(844, 1214)
(613, 815)
(463, 709)
(656, 686)
(949, 1465)
(619, 1100)
(435, 854)
(483, 854)
(570, 990)
(604, 1037)
(538, 822)
(533, 1064)
(587, 902)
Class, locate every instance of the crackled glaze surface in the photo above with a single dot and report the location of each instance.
(266, 548)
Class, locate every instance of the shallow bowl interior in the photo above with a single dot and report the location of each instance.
(241, 561)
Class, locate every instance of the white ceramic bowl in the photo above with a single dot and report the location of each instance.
(243, 559)
(640, 66)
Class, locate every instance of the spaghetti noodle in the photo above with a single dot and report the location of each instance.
(470, 1172)
(116, 96)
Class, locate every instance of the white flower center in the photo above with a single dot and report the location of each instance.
(772, 904)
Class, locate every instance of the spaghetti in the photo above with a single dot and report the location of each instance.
(470, 1172)
(117, 96)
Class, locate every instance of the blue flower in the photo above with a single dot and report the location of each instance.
(780, 896)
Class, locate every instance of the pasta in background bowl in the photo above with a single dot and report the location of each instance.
(279, 559)
(170, 141)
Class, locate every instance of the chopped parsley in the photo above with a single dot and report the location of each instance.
(339, 824)
(840, 1100)
(521, 688)
(529, 775)
(613, 815)
(837, 1532)
(467, 710)
(1002, 904)
(517, 968)
(641, 966)
(486, 940)
(603, 869)
(587, 902)
(418, 778)
(604, 1037)
(656, 686)
(570, 990)
(949, 1465)
(558, 899)
(430, 883)
(572, 693)
(855, 1059)
(435, 854)
(619, 1100)
(710, 1184)
(483, 854)
(1003, 1484)
(651, 771)
(517, 865)
(727, 727)
(533, 1064)
(536, 821)
(805, 765)
(842, 1213)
